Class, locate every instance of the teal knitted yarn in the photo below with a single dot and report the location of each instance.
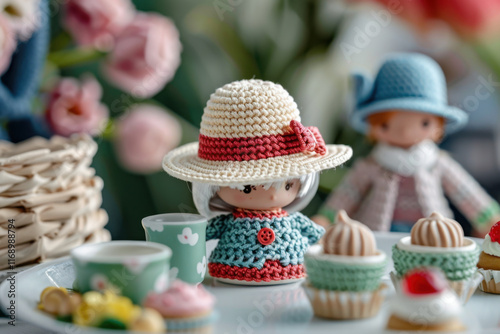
(344, 273)
(457, 263)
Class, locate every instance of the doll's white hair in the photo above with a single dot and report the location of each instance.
(209, 204)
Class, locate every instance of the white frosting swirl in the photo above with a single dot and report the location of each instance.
(437, 231)
(490, 247)
(433, 309)
(348, 237)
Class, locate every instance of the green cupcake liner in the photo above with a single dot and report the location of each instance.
(326, 274)
(456, 266)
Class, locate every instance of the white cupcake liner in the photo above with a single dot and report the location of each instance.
(463, 288)
(490, 280)
(345, 304)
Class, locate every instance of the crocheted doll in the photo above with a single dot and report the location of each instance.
(19, 84)
(406, 177)
(254, 167)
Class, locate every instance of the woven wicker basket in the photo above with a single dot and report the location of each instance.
(50, 198)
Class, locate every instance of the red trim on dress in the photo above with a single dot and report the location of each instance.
(259, 214)
(272, 271)
(301, 139)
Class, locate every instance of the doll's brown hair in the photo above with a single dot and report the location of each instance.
(378, 119)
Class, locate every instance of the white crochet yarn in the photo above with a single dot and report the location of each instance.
(249, 109)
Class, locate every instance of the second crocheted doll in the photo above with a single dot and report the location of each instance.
(254, 167)
(406, 177)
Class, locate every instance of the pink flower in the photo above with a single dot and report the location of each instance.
(75, 107)
(146, 55)
(7, 44)
(143, 137)
(97, 22)
(469, 18)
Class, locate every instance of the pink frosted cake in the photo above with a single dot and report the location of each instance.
(184, 307)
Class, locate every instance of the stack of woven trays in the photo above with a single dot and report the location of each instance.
(52, 196)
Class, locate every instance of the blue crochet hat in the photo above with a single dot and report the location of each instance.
(406, 81)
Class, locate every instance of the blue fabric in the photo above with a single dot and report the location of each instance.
(20, 83)
(238, 244)
(24, 128)
(3, 134)
(407, 82)
(398, 226)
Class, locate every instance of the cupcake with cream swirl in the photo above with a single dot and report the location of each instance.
(440, 242)
(424, 302)
(344, 274)
(489, 261)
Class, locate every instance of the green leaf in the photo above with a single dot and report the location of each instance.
(73, 57)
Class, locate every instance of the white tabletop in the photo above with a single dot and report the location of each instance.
(243, 309)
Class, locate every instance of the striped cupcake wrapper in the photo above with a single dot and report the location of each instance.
(190, 324)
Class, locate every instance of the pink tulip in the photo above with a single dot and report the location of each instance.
(146, 55)
(143, 137)
(7, 44)
(75, 107)
(97, 22)
(469, 18)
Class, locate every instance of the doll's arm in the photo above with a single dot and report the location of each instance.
(308, 229)
(216, 226)
(351, 191)
(471, 199)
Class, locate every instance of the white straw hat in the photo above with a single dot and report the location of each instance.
(251, 133)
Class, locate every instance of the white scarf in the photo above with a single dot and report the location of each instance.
(406, 162)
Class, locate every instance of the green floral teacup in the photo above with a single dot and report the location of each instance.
(129, 268)
(185, 234)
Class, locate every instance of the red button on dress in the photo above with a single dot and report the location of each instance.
(265, 236)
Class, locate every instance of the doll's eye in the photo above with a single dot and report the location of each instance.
(384, 126)
(288, 186)
(247, 189)
(425, 123)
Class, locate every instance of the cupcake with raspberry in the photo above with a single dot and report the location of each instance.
(489, 261)
(344, 274)
(440, 242)
(424, 302)
(184, 307)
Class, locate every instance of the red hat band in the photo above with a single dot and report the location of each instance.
(301, 140)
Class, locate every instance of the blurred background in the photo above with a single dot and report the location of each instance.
(181, 51)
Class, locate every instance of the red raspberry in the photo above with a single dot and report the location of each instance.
(423, 281)
(495, 232)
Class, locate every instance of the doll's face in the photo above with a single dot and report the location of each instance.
(405, 129)
(258, 198)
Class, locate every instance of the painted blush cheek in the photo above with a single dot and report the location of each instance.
(239, 198)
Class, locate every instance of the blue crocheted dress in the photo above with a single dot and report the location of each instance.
(261, 247)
